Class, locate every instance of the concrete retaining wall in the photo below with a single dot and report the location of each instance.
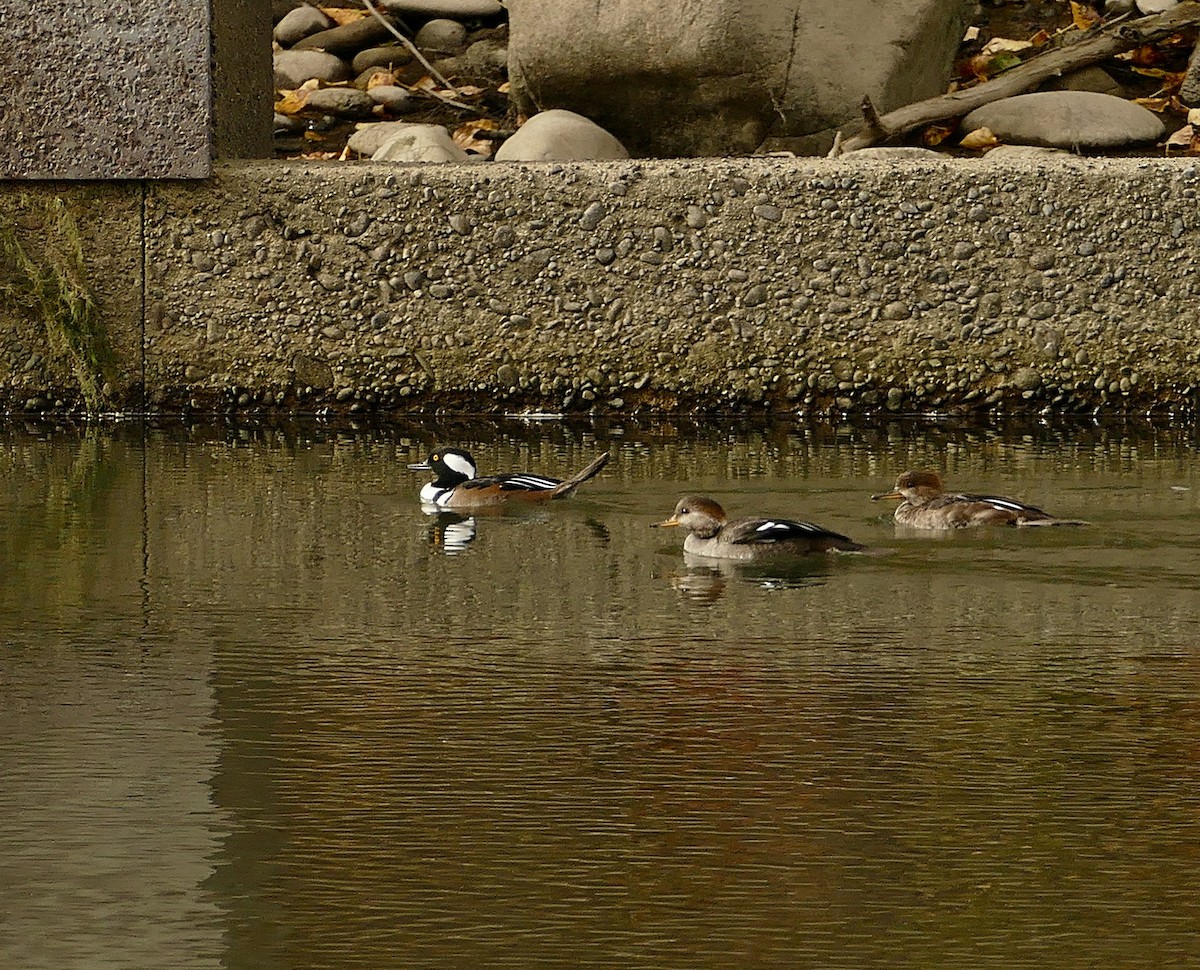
(785, 285)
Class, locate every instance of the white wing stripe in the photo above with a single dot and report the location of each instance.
(786, 527)
(530, 481)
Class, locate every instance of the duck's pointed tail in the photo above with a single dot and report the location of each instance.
(563, 489)
(1027, 523)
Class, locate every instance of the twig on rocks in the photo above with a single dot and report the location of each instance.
(434, 72)
(1104, 43)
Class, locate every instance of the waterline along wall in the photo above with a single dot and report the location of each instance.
(875, 282)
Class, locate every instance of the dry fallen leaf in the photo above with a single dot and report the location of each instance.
(1186, 139)
(1084, 17)
(1157, 105)
(1145, 56)
(293, 101)
(980, 139)
(998, 44)
(934, 135)
(340, 16)
(1040, 38)
(381, 79)
(467, 138)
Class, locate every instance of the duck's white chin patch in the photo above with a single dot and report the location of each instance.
(459, 464)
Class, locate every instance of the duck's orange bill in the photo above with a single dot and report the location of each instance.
(876, 498)
(665, 523)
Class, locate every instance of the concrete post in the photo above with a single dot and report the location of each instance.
(132, 89)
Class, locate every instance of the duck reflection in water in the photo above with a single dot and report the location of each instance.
(772, 553)
(451, 533)
(704, 579)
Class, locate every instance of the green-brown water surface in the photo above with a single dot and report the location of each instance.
(257, 710)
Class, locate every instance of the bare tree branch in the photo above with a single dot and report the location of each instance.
(1099, 44)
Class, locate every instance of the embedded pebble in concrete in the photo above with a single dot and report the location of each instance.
(1067, 119)
(927, 309)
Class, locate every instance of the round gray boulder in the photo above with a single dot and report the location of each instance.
(341, 102)
(1067, 119)
(560, 136)
(293, 68)
(420, 143)
(441, 34)
(300, 23)
(392, 55)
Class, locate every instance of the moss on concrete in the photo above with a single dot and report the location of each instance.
(52, 287)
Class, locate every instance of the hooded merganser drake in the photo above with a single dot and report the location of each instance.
(925, 506)
(710, 533)
(455, 485)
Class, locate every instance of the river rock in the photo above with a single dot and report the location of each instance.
(299, 23)
(420, 143)
(287, 124)
(395, 100)
(560, 136)
(1067, 119)
(281, 8)
(1086, 79)
(1189, 93)
(484, 62)
(341, 102)
(1007, 154)
(347, 38)
(368, 139)
(293, 68)
(729, 73)
(441, 34)
(389, 56)
(458, 9)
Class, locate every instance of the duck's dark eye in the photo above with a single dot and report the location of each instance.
(684, 511)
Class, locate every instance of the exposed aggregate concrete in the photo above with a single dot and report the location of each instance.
(758, 285)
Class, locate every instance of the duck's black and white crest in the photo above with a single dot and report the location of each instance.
(456, 460)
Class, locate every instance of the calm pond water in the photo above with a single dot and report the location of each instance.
(258, 711)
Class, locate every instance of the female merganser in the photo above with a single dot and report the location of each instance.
(455, 485)
(710, 533)
(925, 506)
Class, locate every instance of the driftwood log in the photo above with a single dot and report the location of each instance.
(1099, 44)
